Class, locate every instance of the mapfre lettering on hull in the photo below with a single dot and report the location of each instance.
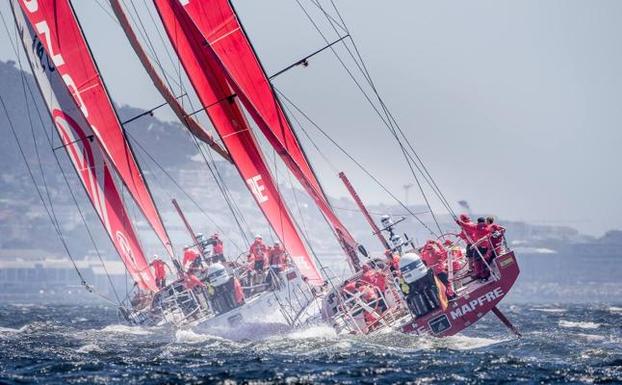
(477, 303)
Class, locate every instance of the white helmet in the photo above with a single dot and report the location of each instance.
(217, 274)
(412, 268)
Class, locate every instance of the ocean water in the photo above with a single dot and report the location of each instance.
(89, 345)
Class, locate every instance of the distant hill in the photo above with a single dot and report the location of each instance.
(23, 220)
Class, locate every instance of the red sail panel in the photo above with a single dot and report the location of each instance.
(224, 36)
(86, 156)
(57, 28)
(225, 113)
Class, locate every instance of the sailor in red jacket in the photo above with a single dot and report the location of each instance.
(496, 238)
(191, 261)
(434, 256)
(481, 246)
(258, 254)
(159, 271)
(218, 248)
(468, 233)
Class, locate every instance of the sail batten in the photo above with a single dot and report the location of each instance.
(86, 156)
(214, 92)
(60, 34)
(227, 41)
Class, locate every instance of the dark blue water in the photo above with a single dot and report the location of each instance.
(88, 345)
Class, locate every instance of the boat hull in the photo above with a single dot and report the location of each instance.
(469, 307)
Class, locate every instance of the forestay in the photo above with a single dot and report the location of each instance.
(60, 35)
(84, 151)
(224, 37)
(224, 111)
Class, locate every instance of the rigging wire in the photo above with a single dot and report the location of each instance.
(53, 217)
(355, 161)
(177, 184)
(388, 119)
(389, 126)
(363, 68)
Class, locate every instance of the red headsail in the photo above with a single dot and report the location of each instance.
(59, 32)
(86, 155)
(224, 36)
(210, 83)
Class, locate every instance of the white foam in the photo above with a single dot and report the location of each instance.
(461, 342)
(12, 330)
(591, 337)
(190, 337)
(125, 329)
(579, 324)
(90, 348)
(550, 310)
(313, 332)
(615, 309)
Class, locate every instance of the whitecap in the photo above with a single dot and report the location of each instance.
(461, 342)
(579, 324)
(591, 337)
(125, 329)
(90, 348)
(549, 310)
(615, 309)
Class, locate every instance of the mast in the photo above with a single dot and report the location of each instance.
(214, 92)
(225, 39)
(83, 149)
(61, 36)
(191, 124)
(364, 211)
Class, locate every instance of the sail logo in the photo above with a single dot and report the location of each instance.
(124, 246)
(257, 188)
(473, 305)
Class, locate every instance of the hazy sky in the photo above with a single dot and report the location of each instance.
(515, 106)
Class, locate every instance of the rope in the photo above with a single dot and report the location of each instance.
(356, 162)
(388, 118)
(26, 85)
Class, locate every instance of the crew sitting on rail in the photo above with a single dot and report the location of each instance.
(192, 260)
(159, 271)
(277, 260)
(418, 285)
(434, 256)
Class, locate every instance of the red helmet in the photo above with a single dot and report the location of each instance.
(465, 218)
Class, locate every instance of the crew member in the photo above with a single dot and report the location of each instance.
(191, 260)
(496, 238)
(434, 256)
(418, 285)
(159, 271)
(373, 309)
(277, 262)
(218, 248)
(481, 245)
(257, 257)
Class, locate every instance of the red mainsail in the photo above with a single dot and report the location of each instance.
(212, 88)
(86, 156)
(224, 36)
(59, 32)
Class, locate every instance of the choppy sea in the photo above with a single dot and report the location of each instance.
(89, 345)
